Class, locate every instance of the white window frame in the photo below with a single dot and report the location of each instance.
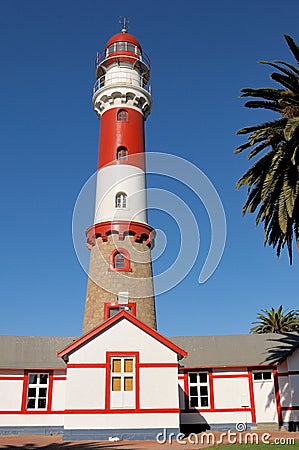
(198, 384)
(121, 201)
(262, 380)
(37, 386)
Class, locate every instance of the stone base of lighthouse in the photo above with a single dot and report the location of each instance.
(106, 282)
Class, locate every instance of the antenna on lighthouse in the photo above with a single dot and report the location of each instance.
(124, 21)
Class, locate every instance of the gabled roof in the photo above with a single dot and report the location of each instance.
(122, 315)
(237, 350)
(32, 352)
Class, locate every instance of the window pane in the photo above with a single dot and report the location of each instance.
(42, 392)
(204, 401)
(121, 200)
(30, 403)
(110, 49)
(121, 46)
(116, 384)
(119, 260)
(131, 48)
(203, 377)
(258, 376)
(116, 365)
(193, 390)
(267, 375)
(203, 390)
(113, 311)
(42, 402)
(31, 392)
(193, 377)
(128, 383)
(128, 365)
(43, 378)
(194, 402)
(32, 378)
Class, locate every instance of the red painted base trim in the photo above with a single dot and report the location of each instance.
(141, 232)
(97, 411)
(157, 365)
(216, 410)
(243, 375)
(7, 378)
(124, 411)
(286, 374)
(289, 408)
(86, 366)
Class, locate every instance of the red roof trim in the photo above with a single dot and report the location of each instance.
(109, 323)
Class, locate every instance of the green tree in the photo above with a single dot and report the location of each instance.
(273, 180)
(279, 321)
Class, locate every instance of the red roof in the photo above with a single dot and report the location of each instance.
(123, 37)
(109, 323)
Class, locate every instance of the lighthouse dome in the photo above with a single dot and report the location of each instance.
(123, 37)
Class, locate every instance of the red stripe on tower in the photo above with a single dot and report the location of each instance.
(122, 101)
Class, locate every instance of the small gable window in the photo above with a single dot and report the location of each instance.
(121, 200)
(122, 115)
(262, 376)
(121, 153)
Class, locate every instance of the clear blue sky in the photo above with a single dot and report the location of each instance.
(202, 54)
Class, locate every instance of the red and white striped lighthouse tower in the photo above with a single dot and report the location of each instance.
(120, 272)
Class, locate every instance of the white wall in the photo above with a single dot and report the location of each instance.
(231, 392)
(123, 336)
(120, 178)
(157, 388)
(119, 421)
(11, 395)
(85, 388)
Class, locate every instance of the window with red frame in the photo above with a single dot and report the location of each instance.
(120, 261)
(37, 391)
(110, 309)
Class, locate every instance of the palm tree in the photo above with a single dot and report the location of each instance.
(273, 181)
(279, 321)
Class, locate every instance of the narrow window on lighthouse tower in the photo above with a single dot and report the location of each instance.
(121, 200)
(121, 153)
(120, 260)
(122, 115)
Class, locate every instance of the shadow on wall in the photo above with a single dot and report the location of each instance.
(279, 349)
(199, 422)
(70, 446)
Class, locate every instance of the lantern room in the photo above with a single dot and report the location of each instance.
(122, 51)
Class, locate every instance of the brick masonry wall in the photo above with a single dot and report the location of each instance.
(103, 285)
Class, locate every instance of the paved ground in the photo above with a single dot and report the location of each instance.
(55, 442)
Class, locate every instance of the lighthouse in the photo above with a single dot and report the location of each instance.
(120, 239)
